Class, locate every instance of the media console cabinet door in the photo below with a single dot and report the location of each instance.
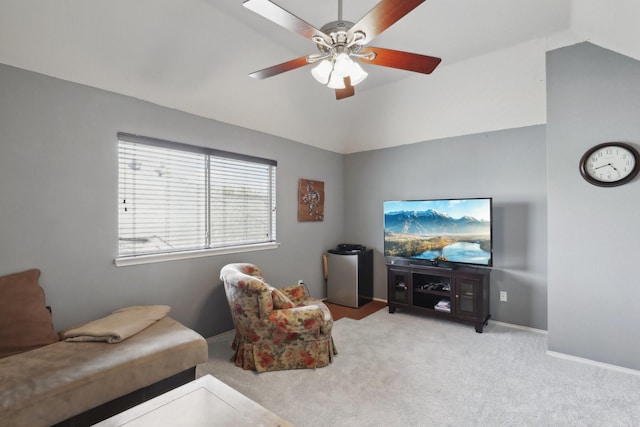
(398, 287)
(467, 292)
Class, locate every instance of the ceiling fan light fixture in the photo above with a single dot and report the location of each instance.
(357, 74)
(322, 71)
(339, 42)
(332, 72)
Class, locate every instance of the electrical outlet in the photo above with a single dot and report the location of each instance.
(503, 296)
(300, 283)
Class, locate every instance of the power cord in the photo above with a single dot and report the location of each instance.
(301, 283)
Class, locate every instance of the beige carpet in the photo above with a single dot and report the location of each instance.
(409, 370)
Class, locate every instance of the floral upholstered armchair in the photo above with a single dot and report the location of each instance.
(276, 328)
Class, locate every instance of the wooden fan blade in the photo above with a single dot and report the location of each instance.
(287, 20)
(382, 16)
(347, 91)
(401, 60)
(280, 68)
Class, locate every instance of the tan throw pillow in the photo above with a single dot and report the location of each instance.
(25, 322)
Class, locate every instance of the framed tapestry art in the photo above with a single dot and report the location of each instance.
(310, 200)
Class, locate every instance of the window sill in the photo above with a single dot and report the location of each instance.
(153, 258)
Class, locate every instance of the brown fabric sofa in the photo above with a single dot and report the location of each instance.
(81, 383)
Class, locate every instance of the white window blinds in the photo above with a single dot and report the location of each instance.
(176, 197)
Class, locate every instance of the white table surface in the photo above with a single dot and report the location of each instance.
(205, 401)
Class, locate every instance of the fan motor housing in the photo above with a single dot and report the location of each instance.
(335, 26)
(337, 31)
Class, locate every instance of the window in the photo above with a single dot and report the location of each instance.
(191, 201)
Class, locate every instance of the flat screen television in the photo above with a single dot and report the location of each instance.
(443, 230)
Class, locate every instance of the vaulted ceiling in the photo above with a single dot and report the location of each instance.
(195, 56)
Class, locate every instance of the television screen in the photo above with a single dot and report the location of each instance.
(454, 230)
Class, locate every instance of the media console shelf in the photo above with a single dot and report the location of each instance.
(460, 293)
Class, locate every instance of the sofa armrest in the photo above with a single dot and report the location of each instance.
(298, 320)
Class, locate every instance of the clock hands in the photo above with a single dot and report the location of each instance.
(608, 164)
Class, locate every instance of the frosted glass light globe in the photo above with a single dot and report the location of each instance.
(343, 65)
(357, 74)
(336, 81)
(322, 71)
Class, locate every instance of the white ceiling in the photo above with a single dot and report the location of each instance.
(195, 56)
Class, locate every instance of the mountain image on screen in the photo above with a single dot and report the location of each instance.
(432, 222)
(419, 230)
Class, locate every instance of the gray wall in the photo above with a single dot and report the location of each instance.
(506, 165)
(58, 184)
(58, 203)
(594, 292)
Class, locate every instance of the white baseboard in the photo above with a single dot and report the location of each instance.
(497, 322)
(568, 356)
(524, 328)
(593, 363)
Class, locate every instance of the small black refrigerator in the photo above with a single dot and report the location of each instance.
(350, 275)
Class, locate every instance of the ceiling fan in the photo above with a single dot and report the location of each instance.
(340, 42)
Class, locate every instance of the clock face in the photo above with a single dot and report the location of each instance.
(609, 164)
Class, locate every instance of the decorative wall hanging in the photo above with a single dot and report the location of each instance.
(310, 200)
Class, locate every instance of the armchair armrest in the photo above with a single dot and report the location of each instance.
(298, 320)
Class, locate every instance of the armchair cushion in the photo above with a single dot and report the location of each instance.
(280, 300)
(295, 293)
(298, 320)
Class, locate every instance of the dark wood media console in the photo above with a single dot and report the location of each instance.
(460, 293)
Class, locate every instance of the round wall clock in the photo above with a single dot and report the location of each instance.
(610, 164)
